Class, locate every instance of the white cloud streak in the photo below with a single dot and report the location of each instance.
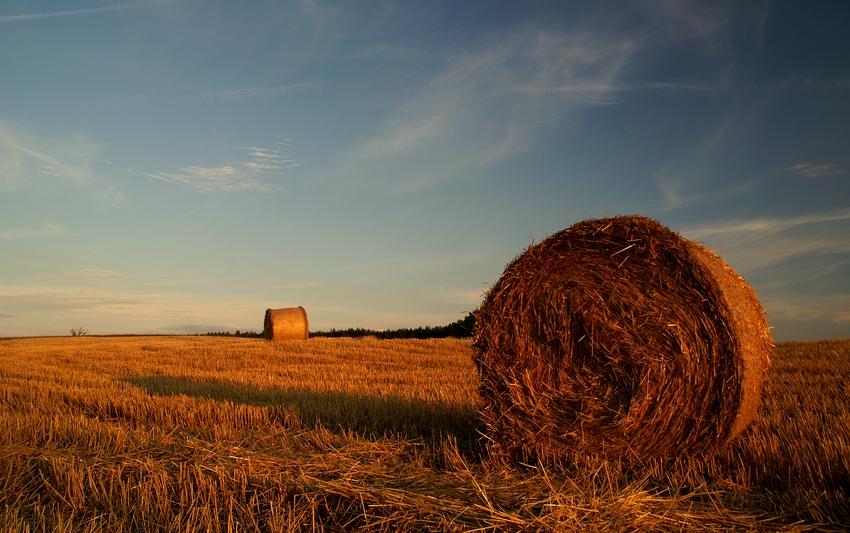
(252, 173)
(489, 105)
(88, 11)
(690, 178)
(807, 308)
(245, 93)
(299, 286)
(89, 274)
(760, 243)
(96, 275)
(769, 225)
(813, 171)
(26, 158)
(707, 24)
(495, 102)
(65, 158)
(11, 165)
(784, 258)
(45, 230)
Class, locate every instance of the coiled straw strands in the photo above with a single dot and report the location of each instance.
(618, 338)
(288, 323)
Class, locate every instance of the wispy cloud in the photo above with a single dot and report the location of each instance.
(318, 13)
(712, 167)
(798, 82)
(88, 274)
(45, 230)
(768, 226)
(86, 11)
(299, 286)
(797, 264)
(808, 308)
(64, 158)
(708, 25)
(26, 158)
(497, 101)
(489, 105)
(252, 172)
(715, 166)
(188, 281)
(11, 165)
(691, 177)
(760, 243)
(814, 171)
(96, 275)
(245, 93)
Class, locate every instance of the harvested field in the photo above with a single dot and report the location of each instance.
(232, 434)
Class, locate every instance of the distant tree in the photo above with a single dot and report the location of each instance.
(251, 334)
(79, 331)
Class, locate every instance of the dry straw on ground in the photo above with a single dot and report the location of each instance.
(289, 323)
(618, 338)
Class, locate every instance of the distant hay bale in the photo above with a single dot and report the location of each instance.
(289, 323)
(618, 338)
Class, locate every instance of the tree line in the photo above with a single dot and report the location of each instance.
(461, 329)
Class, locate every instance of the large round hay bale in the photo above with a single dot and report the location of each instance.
(618, 338)
(289, 323)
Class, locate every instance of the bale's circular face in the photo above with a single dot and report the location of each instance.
(619, 338)
(288, 323)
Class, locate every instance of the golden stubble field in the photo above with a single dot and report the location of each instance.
(233, 434)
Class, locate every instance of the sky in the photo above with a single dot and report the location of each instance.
(180, 166)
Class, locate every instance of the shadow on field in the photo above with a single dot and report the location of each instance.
(367, 415)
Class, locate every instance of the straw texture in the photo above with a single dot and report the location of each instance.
(288, 323)
(618, 338)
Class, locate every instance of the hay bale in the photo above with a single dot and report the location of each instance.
(618, 338)
(289, 323)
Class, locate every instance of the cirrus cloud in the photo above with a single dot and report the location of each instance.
(24, 17)
(254, 172)
(491, 104)
(45, 230)
(814, 171)
(51, 162)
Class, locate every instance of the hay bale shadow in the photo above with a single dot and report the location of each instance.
(366, 415)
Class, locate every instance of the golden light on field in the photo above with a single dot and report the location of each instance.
(225, 434)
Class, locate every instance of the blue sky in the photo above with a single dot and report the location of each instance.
(180, 166)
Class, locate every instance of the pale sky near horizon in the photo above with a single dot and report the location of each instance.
(178, 166)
